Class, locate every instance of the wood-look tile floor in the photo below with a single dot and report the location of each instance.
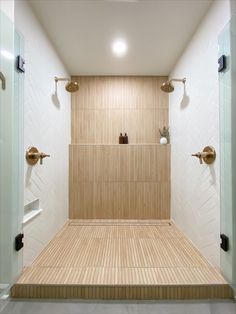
(120, 253)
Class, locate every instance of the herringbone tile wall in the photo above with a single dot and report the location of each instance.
(194, 123)
(47, 126)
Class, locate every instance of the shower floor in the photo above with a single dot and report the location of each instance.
(105, 259)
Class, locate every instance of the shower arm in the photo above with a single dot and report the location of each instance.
(57, 79)
(178, 80)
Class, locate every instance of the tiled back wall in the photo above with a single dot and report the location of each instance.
(115, 181)
(106, 106)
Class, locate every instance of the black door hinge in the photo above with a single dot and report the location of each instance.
(224, 242)
(20, 64)
(222, 63)
(19, 242)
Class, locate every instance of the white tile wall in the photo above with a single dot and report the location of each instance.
(7, 7)
(47, 126)
(194, 123)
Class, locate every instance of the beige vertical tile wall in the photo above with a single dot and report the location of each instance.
(108, 180)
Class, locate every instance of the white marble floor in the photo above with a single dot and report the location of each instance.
(115, 307)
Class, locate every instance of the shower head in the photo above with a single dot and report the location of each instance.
(71, 86)
(168, 87)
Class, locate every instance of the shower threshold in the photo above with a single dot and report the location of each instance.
(121, 259)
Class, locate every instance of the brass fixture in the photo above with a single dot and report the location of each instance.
(71, 86)
(168, 87)
(33, 155)
(208, 155)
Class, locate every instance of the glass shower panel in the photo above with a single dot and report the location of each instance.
(227, 80)
(11, 155)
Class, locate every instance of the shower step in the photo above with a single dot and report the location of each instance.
(121, 260)
(171, 292)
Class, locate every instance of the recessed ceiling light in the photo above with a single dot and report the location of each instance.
(119, 47)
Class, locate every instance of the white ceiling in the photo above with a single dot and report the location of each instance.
(156, 33)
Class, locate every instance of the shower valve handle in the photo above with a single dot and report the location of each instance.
(208, 155)
(198, 155)
(33, 155)
(41, 156)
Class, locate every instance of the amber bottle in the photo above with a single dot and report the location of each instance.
(126, 139)
(121, 139)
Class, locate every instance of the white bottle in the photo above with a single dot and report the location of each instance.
(163, 140)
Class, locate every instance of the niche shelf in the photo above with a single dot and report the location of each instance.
(31, 210)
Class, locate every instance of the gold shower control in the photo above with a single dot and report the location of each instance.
(208, 155)
(33, 156)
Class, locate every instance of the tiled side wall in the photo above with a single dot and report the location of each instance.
(194, 122)
(47, 126)
(7, 7)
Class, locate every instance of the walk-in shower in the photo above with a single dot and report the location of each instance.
(100, 220)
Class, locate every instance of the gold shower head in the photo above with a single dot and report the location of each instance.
(71, 86)
(168, 87)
